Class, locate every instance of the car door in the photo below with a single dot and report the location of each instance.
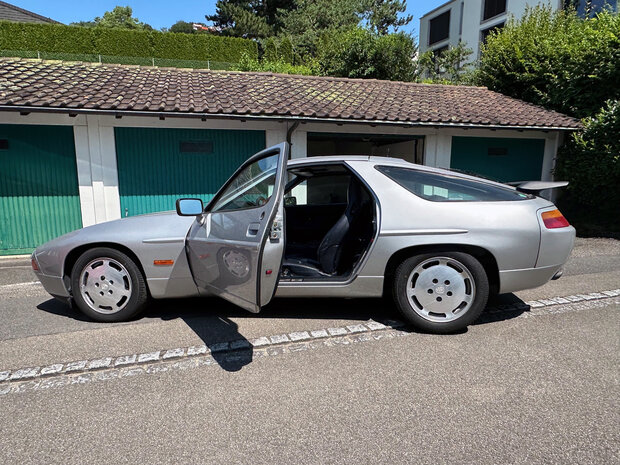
(235, 247)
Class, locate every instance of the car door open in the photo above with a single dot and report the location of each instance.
(235, 247)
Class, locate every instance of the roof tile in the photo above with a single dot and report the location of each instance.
(72, 85)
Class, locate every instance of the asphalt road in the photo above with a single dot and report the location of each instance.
(538, 386)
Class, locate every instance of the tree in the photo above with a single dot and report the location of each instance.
(83, 24)
(591, 162)
(555, 59)
(360, 53)
(311, 19)
(385, 14)
(120, 16)
(249, 18)
(182, 26)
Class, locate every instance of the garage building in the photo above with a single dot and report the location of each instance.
(85, 143)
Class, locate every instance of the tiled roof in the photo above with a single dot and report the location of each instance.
(14, 13)
(127, 89)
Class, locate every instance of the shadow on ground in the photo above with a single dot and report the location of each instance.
(210, 318)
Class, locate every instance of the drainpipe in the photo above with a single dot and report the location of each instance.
(289, 133)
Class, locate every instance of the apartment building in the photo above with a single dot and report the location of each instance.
(471, 21)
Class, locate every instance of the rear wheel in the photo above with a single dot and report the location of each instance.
(107, 285)
(441, 292)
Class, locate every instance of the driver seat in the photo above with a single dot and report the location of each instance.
(330, 250)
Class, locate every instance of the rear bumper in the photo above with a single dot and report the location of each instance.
(53, 284)
(529, 278)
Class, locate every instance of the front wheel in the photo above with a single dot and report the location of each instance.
(441, 292)
(107, 285)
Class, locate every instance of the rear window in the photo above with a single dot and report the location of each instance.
(446, 188)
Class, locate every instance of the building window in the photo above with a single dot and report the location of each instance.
(485, 32)
(493, 8)
(439, 28)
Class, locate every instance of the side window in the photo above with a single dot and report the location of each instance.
(446, 188)
(320, 190)
(252, 187)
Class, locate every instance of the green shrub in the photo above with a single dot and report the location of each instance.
(120, 42)
(270, 50)
(359, 53)
(555, 59)
(285, 50)
(229, 48)
(590, 161)
(174, 45)
(247, 63)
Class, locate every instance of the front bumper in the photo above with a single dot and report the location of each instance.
(528, 278)
(53, 285)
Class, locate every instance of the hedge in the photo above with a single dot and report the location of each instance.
(123, 42)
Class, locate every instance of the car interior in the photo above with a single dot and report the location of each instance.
(330, 221)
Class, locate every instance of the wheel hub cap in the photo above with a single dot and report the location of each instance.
(440, 289)
(105, 285)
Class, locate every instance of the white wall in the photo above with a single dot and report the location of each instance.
(454, 7)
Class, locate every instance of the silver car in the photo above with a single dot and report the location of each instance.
(437, 241)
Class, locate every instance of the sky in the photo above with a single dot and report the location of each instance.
(164, 13)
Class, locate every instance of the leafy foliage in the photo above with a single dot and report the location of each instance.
(123, 42)
(555, 59)
(312, 19)
(277, 65)
(452, 66)
(279, 49)
(304, 22)
(182, 27)
(591, 161)
(249, 18)
(385, 14)
(119, 17)
(358, 53)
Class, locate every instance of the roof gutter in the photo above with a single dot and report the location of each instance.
(298, 119)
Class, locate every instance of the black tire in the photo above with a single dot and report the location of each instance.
(480, 291)
(131, 305)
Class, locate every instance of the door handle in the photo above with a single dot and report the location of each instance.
(253, 229)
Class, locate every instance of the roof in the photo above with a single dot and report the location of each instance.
(36, 85)
(16, 14)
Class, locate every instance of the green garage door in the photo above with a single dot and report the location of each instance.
(498, 158)
(156, 166)
(39, 196)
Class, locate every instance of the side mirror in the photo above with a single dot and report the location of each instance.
(290, 201)
(189, 207)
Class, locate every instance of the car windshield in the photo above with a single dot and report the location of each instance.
(445, 188)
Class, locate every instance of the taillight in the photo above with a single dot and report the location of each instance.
(554, 219)
(35, 265)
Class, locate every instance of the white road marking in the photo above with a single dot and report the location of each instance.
(12, 286)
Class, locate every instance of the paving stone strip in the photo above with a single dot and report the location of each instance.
(279, 343)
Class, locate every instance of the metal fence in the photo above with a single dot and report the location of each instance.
(143, 61)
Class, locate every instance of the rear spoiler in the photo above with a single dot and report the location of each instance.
(535, 187)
